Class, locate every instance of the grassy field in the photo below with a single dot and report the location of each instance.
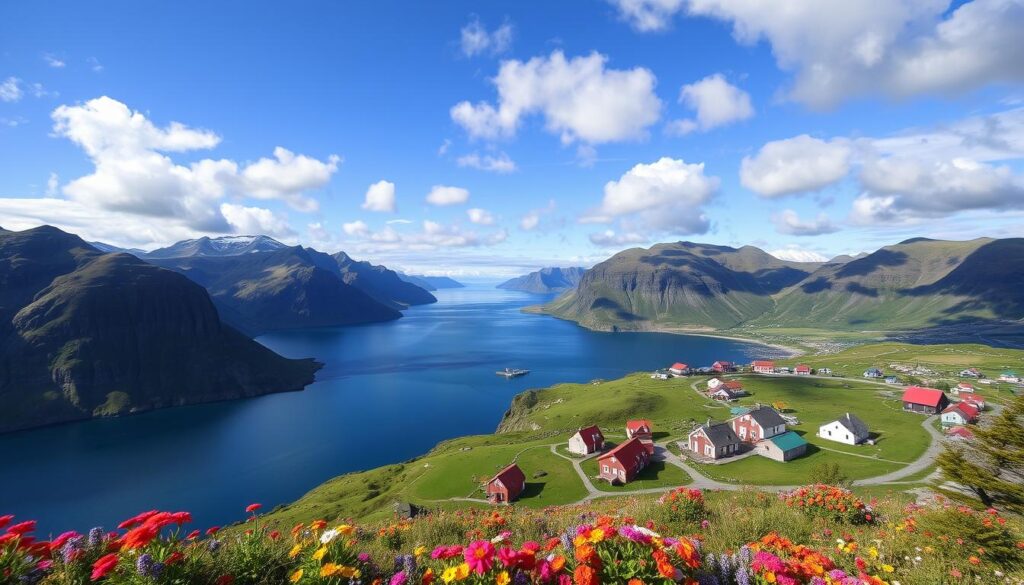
(655, 475)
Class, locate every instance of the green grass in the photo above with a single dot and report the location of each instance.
(656, 475)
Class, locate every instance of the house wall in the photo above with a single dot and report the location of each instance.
(772, 451)
(953, 418)
(838, 433)
(497, 493)
(578, 445)
(747, 429)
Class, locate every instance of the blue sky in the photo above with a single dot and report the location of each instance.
(584, 127)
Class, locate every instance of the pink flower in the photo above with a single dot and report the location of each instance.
(508, 556)
(479, 556)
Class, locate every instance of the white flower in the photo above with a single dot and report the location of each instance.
(328, 536)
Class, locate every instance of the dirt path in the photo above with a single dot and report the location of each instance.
(920, 464)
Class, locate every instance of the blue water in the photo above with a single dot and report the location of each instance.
(387, 393)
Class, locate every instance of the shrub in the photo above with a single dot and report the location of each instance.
(829, 502)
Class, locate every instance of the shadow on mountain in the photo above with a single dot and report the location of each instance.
(616, 308)
(860, 289)
(868, 264)
(817, 285)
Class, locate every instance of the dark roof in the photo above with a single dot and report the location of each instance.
(720, 434)
(766, 416)
(854, 425)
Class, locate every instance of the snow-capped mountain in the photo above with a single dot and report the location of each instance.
(222, 246)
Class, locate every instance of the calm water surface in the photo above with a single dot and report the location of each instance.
(387, 393)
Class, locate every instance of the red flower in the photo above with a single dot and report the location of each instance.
(62, 540)
(174, 558)
(225, 580)
(275, 534)
(211, 531)
(253, 507)
(5, 520)
(141, 536)
(103, 566)
(136, 520)
(180, 518)
(22, 528)
(193, 535)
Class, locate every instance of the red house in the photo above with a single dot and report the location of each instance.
(641, 429)
(973, 398)
(587, 441)
(802, 370)
(763, 367)
(960, 432)
(506, 486)
(723, 366)
(679, 368)
(622, 464)
(761, 423)
(924, 400)
(714, 440)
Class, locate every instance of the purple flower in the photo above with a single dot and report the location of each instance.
(364, 557)
(95, 537)
(146, 566)
(399, 578)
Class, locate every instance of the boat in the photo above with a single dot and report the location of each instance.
(512, 372)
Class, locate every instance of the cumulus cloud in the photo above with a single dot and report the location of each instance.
(255, 220)
(431, 236)
(789, 222)
(648, 15)
(532, 219)
(356, 228)
(380, 197)
(666, 195)
(501, 163)
(444, 195)
(795, 165)
(475, 39)
(480, 216)
(579, 99)
(798, 254)
(716, 103)
(287, 176)
(612, 239)
(10, 90)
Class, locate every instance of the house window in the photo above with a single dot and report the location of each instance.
(604, 468)
(708, 451)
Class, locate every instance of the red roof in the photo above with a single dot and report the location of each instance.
(803, 368)
(733, 385)
(965, 385)
(511, 477)
(968, 411)
(926, 396)
(961, 431)
(722, 364)
(971, 397)
(679, 366)
(591, 436)
(641, 424)
(763, 364)
(628, 453)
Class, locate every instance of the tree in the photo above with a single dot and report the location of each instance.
(988, 471)
(829, 474)
(943, 385)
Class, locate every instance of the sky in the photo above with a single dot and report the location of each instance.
(494, 138)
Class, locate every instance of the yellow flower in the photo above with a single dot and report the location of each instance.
(346, 529)
(448, 575)
(349, 572)
(319, 554)
(873, 552)
(462, 571)
(597, 535)
(887, 568)
(503, 578)
(419, 550)
(295, 551)
(769, 577)
(329, 569)
(296, 576)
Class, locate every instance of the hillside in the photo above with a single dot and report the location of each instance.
(430, 283)
(287, 288)
(546, 280)
(222, 246)
(381, 283)
(680, 285)
(914, 285)
(87, 334)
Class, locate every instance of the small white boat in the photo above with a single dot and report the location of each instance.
(512, 372)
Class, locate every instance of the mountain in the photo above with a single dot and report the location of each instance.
(222, 246)
(680, 285)
(546, 280)
(86, 334)
(108, 248)
(382, 284)
(283, 288)
(430, 283)
(915, 285)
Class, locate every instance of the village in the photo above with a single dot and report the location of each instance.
(757, 430)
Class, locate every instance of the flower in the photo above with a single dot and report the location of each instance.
(502, 578)
(252, 508)
(103, 566)
(296, 576)
(328, 536)
(479, 556)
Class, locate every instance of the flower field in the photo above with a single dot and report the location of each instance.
(818, 535)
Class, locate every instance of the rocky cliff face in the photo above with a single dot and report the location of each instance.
(546, 280)
(86, 334)
(382, 284)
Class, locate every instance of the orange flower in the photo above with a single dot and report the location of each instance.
(585, 575)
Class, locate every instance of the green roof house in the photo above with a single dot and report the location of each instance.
(784, 447)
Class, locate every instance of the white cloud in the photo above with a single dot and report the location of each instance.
(54, 61)
(579, 98)
(398, 221)
(480, 216)
(10, 90)
(52, 184)
(443, 149)
(610, 239)
(431, 236)
(444, 195)
(789, 222)
(840, 49)
(717, 103)
(255, 220)
(94, 64)
(134, 175)
(380, 197)
(648, 15)
(532, 219)
(795, 165)
(798, 254)
(476, 39)
(501, 163)
(356, 228)
(666, 195)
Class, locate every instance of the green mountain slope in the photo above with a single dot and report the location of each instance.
(86, 334)
(381, 283)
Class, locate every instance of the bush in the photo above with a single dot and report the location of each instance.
(829, 502)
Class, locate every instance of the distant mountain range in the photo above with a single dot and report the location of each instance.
(87, 334)
(913, 285)
(430, 283)
(546, 280)
(381, 283)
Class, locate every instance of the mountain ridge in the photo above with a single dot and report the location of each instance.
(546, 280)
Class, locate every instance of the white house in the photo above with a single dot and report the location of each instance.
(847, 429)
(959, 414)
(586, 441)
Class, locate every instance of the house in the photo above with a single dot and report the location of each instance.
(506, 486)
(641, 429)
(960, 433)
(1011, 377)
(847, 429)
(679, 369)
(961, 387)
(971, 373)
(892, 380)
(762, 367)
(974, 399)
(660, 375)
(723, 393)
(723, 366)
(714, 383)
(714, 440)
(760, 423)
(924, 400)
(784, 447)
(960, 413)
(734, 386)
(873, 373)
(587, 441)
(824, 371)
(802, 370)
(622, 464)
